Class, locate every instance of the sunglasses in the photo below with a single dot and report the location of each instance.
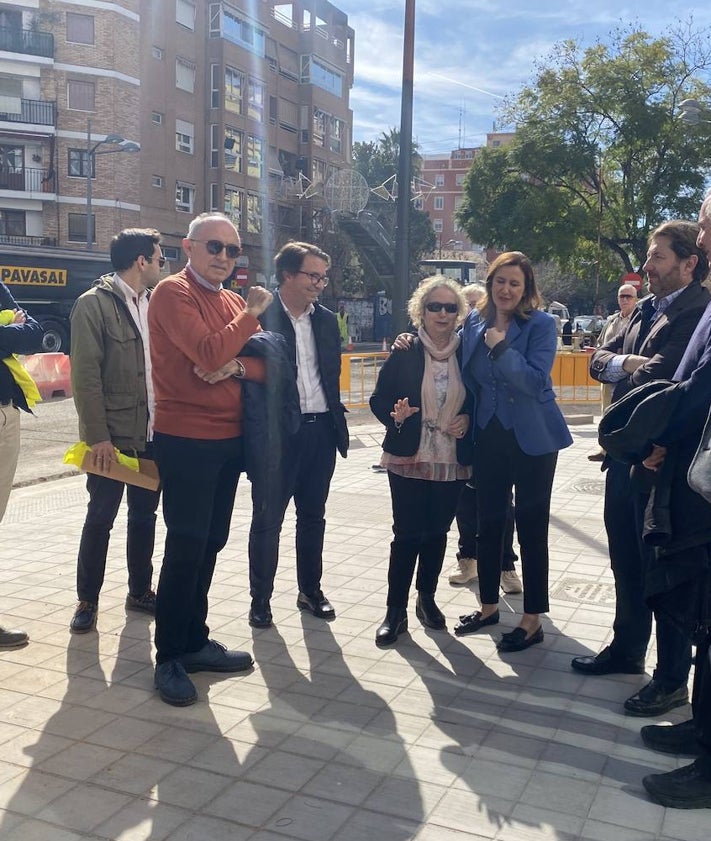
(435, 306)
(161, 261)
(214, 246)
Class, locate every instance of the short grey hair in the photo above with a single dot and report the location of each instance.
(210, 216)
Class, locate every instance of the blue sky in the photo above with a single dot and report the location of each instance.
(471, 53)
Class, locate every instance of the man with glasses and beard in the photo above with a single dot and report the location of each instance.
(313, 339)
(198, 327)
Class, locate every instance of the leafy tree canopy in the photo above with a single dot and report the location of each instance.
(600, 157)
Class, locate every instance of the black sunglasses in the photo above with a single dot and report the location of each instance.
(214, 246)
(161, 261)
(435, 306)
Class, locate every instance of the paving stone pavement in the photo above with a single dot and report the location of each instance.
(329, 738)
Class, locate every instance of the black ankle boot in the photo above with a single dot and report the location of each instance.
(394, 624)
(428, 613)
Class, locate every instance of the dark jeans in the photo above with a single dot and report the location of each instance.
(422, 514)
(500, 465)
(105, 497)
(468, 527)
(199, 484)
(306, 476)
(629, 559)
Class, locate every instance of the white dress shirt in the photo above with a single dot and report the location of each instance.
(312, 397)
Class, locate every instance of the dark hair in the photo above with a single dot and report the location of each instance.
(132, 243)
(682, 235)
(531, 299)
(291, 258)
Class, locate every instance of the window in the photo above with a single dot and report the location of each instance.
(12, 223)
(227, 24)
(184, 196)
(157, 118)
(185, 13)
(437, 226)
(184, 136)
(77, 227)
(318, 171)
(184, 75)
(233, 144)
(439, 180)
(316, 72)
(460, 179)
(288, 115)
(156, 180)
(234, 90)
(418, 204)
(157, 53)
(255, 106)
(254, 214)
(170, 252)
(233, 205)
(80, 28)
(319, 127)
(80, 95)
(79, 164)
(255, 156)
(336, 135)
(439, 203)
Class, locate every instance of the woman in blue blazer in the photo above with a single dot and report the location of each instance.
(508, 349)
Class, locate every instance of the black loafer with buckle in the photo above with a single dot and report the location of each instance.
(472, 622)
(517, 640)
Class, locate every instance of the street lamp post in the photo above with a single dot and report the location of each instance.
(120, 144)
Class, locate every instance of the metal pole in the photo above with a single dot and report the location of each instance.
(404, 176)
(89, 158)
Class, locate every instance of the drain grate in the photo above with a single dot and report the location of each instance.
(586, 592)
(596, 488)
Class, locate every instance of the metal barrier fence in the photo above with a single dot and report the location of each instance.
(571, 379)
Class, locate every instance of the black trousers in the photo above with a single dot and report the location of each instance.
(500, 465)
(307, 471)
(468, 527)
(422, 514)
(701, 696)
(629, 560)
(199, 484)
(105, 497)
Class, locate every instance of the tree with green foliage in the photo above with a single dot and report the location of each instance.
(599, 157)
(377, 161)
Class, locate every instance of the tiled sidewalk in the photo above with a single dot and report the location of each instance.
(329, 737)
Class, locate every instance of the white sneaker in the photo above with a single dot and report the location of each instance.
(467, 572)
(510, 582)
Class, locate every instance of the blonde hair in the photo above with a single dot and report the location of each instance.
(416, 304)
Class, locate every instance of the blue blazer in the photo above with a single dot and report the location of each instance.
(523, 361)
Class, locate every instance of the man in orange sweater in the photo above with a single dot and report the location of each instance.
(196, 326)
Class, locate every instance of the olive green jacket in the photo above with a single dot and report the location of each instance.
(108, 369)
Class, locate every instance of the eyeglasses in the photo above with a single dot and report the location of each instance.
(161, 261)
(435, 306)
(315, 277)
(214, 246)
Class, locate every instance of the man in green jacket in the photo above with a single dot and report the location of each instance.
(113, 394)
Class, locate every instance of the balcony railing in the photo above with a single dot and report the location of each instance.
(32, 111)
(28, 41)
(30, 241)
(27, 180)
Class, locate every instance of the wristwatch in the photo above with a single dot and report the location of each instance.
(241, 372)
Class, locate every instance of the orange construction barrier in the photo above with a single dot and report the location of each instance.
(51, 372)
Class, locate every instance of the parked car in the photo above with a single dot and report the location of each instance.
(590, 326)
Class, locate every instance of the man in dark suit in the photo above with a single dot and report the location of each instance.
(650, 348)
(314, 344)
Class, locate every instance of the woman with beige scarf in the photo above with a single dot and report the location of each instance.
(420, 399)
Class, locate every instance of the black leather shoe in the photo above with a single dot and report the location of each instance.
(428, 613)
(143, 604)
(653, 699)
(317, 604)
(517, 640)
(84, 619)
(173, 684)
(685, 788)
(215, 657)
(12, 639)
(472, 622)
(606, 663)
(675, 738)
(394, 624)
(260, 614)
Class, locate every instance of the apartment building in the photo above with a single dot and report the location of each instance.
(446, 174)
(147, 112)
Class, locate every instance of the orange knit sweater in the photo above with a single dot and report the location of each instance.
(192, 326)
